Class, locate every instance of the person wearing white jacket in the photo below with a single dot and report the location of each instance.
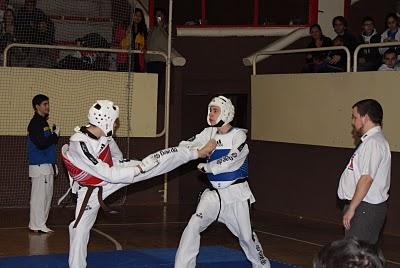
(392, 33)
(229, 197)
(96, 169)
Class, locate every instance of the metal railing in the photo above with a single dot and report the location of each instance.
(75, 48)
(356, 52)
(303, 50)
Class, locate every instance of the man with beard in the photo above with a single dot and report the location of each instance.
(365, 182)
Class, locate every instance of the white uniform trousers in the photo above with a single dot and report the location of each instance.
(235, 215)
(41, 195)
(79, 236)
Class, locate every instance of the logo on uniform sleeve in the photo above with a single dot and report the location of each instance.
(240, 148)
(165, 152)
(263, 259)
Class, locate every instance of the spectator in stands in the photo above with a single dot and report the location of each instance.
(27, 21)
(392, 33)
(349, 253)
(45, 31)
(339, 24)
(334, 61)
(337, 59)
(132, 34)
(35, 27)
(369, 58)
(160, 19)
(4, 5)
(8, 36)
(88, 60)
(7, 33)
(389, 61)
(316, 61)
(158, 41)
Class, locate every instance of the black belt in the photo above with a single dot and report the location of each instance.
(239, 181)
(212, 188)
(347, 202)
(86, 201)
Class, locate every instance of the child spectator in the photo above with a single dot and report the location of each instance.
(392, 33)
(389, 61)
(337, 60)
(369, 58)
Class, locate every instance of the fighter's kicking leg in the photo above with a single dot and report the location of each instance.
(172, 158)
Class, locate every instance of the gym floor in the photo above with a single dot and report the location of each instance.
(285, 238)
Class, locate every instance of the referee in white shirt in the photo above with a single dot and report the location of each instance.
(365, 182)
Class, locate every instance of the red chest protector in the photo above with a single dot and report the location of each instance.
(84, 178)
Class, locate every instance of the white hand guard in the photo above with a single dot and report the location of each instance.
(148, 163)
(203, 167)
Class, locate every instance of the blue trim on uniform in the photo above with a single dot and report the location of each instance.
(37, 156)
(41, 142)
(218, 153)
(242, 172)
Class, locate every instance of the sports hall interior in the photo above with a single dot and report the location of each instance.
(299, 130)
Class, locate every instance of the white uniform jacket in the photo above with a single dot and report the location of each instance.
(98, 161)
(228, 163)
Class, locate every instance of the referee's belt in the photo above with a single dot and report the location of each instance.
(347, 202)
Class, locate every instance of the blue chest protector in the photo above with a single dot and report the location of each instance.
(224, 145)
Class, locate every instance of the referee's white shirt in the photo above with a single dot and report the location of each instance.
(371, 158)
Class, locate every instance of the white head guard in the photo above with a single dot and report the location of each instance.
(103, 114)
(227, 110)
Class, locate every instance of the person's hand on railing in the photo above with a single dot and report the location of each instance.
(386, 40)
(335, 59)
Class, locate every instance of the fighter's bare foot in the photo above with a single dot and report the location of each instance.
(207, 149)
